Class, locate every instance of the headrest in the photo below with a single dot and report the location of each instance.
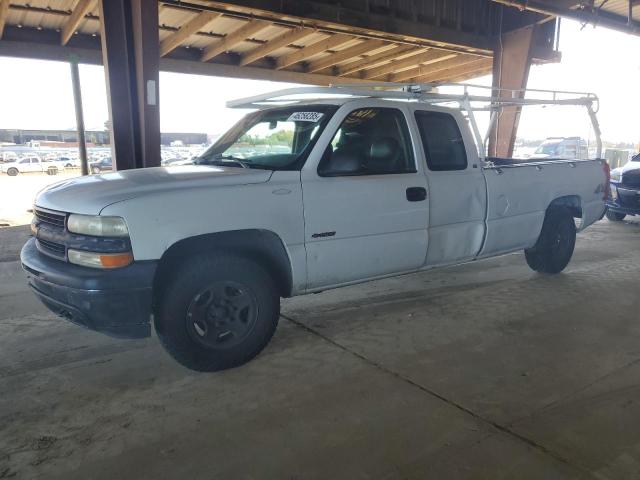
(384, 154)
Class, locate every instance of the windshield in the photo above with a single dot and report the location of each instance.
(548, 149)
(274, 139)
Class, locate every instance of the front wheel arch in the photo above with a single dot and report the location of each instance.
(262, 246)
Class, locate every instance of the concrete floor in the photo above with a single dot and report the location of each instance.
(482, 371)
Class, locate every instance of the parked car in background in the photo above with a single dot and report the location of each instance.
(625, 191)
(69, 162)
(103, 165)
(30, 165)
(565, 148)
(6, 157)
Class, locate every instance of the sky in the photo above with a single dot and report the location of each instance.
(37, 94)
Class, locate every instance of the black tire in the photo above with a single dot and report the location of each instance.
(12, 172)
(196, 312)
(95, 170)
(52, 171)
(615, 216)
(554, 248)
(68, 165)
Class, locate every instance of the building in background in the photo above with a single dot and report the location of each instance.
(94, 137)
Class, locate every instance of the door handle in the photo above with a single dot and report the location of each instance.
(416, 194)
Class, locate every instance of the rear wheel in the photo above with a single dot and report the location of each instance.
(217, 312)
(95, 170)
(615, 216)
(12, 172)
(554, 248)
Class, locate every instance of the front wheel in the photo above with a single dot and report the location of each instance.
(217, 312)
(95, 170)
(615, 216)
(12, 172)
(554, 248)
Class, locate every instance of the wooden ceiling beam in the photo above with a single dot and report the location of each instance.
(313, 49)
(283, 40)
(346, 54)
(454, 72)
(234, 38)
(433, 68)
(77, 16)
(192, 27)
(376, 59)
(430, 56)
(474, 74)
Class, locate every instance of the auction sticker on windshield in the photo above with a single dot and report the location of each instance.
(305, 117)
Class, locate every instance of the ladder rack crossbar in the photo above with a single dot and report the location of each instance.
(428, 93)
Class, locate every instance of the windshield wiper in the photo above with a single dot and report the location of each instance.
(226, 161)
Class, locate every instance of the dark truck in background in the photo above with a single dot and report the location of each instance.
(625, 191)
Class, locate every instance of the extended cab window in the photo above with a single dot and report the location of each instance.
(442, 140)
(370, 141)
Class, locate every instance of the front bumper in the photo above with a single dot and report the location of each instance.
(626, 200)
(115, 302)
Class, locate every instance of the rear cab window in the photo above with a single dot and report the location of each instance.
(442, 140)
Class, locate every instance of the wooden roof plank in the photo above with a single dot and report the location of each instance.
(346, 54)
(193, 26)
(283, 40)
(313, 49)
(77, 15)
(454, 72)
(430, 69)
(430, 56)
(375, 60)
(232, 39)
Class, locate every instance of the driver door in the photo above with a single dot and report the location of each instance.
(365, 205)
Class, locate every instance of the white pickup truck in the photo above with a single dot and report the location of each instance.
(294, 199)
(30, 165)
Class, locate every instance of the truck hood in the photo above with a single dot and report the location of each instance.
(630, 166)
(90, 194)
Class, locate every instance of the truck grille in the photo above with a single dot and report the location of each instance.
(631, 179)
(55, 219)
(51, 248)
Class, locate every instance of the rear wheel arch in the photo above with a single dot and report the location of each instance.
(262, 246)
(573, 203)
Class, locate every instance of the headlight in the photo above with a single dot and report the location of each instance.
(616, 175)
(99, 260)
(97, 225)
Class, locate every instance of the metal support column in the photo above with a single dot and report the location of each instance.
(511, 63)
(130, 51)
(77, 101)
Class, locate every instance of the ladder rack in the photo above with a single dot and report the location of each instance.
(466, 97)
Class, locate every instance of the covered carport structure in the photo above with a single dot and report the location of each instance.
(479, 371)
(311, 41)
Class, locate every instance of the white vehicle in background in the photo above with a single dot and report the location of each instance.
(30, 164)
(364, 184)
(68, 162)
(562, 148)
(6, 157)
